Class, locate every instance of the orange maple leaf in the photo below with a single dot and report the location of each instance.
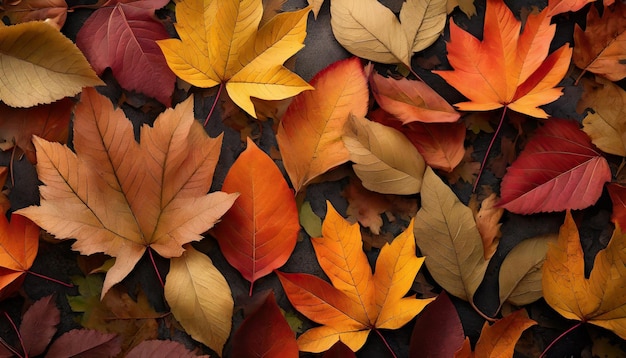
(358, 301)
(120, 197)
(507, 68)
(19, 242)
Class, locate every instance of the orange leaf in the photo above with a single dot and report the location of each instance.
(358, 301)
(617, 192)
(507, 68)
(488, 222)
(19, 242)
(309, 135)
(258, 234)
(118, 196)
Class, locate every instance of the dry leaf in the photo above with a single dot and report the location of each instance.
(85, 343)
(617, 192)
(488, 223)
(19, 243)
(161, 348)
(53, 12)
(5, 204)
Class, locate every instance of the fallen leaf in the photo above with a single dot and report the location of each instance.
(365, 206)
(601, 47)
(161, 348)
(5, 204)
(234, 51)
(122, 36)
(265, 333)
(605, 124)
(617, 192)
(200, 298)
(558, 169)
(118, 196)
(520, 273)
(85, 343)
(466, 6)
(507, 68)
(47, 69)
(499, 339)
(339, 350)
(259, 233)
(310, 222)
(446, 234)
(370, 30)
(309, 134)
(53, 12)
(438, 331)
(560, 6)
(508, 153)
(411, 101)
(39, 325)
(488, 223)
(19, 243)
(48, 121)
(315, 5)
(467, 170)
(384, 159)
(358, 301)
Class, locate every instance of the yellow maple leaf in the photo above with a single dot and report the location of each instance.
(221, 43)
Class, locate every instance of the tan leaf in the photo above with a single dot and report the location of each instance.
(487, 223)
(422, 21)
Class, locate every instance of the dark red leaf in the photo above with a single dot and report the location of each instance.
(156, 348)
(617, 192)
(339, 350)
(86, 343)
(438, 331)
(39, 325)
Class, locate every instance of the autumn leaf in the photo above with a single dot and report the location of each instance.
(507, 68)
(48, 121)
(47, 69)
(617, 192)
(309, 134)
(265, 333)
(39, 325)
(85, 342)
(200, 298)
(358, 301)
(161, 348)
(605, 124)
(53, 12)
(19, 242)
(411, 101)
(599, 299)
(259, 233)
(384, 159)
(487, 219)
(315, 5)
(560, 6)
(122, 36)
(120, 197)
(558, 169)
(365, 206)
(234, 51)
(370, 30)
(5, 204)
(601, 47)
(499, 339)
(446, 234)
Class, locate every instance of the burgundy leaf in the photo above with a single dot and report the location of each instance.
(438, 331)
(39, 325)
(86, 343)
(156, 348)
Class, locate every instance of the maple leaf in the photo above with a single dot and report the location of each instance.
(40, 65)
(309, 134)
(507, 68)
(601, 47)
(122, 36)
(358, 301)
(220, 42)
(19, 242)
(558, 169)
(599, 299)
(53, 12)
(49, 121)
(260, 232)
(120, 197)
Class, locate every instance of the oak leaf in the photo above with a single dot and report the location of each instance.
(120, 197)
(384, 159)
(122, 35)
(599, 299)
(558, 169)
(53, 12)
(220, 43)
(358, 301)
(260, 231)
(601, 47)
(507, 68)
(370, 30)
(309, 134)
(446, 234)
(40, 65)
(19, 243)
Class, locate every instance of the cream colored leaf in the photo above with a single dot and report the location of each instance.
(200, 298)
(385, 160)
(423, 21)
(446, 234)
(40, 65)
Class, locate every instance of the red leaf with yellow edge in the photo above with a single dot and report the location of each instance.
(358, 301)
(265, 333)
(559, 169)
(19, 242)
(309, 134)
(507, 68)
(259, 233)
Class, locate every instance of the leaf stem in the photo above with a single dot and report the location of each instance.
(385, 342)
(416, 75)
(11, 164)
(217, 97)
(493, 139)
(155, 267)
(50, 279)
(481, 314)
(8, 346)
(543, 354)
(19, 336)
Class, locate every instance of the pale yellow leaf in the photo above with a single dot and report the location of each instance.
(423, 21)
